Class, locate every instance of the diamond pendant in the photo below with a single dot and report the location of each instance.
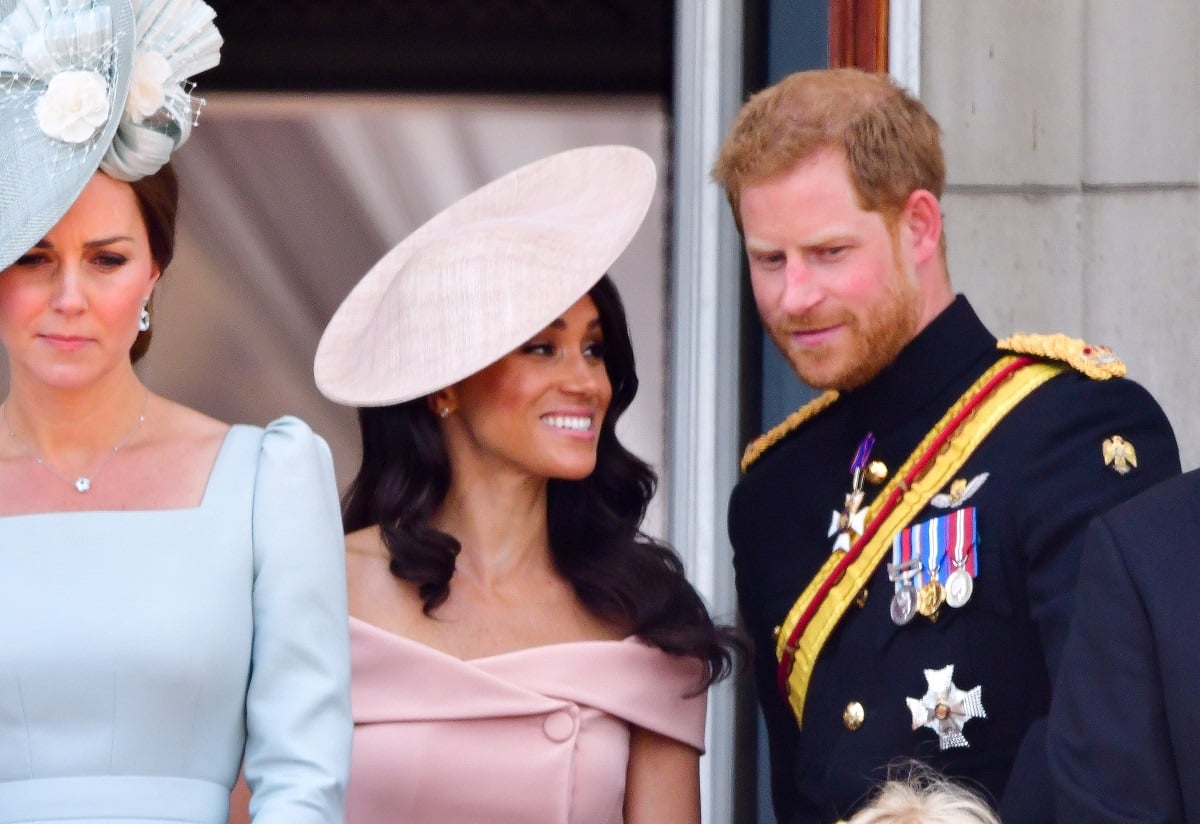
(83, 484)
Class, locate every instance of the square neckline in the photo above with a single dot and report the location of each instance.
(217, 465)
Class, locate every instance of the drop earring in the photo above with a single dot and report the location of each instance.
(144, 318)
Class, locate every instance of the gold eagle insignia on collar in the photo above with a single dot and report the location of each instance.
(1097, 362)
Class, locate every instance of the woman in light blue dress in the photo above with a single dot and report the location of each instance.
(172, 588)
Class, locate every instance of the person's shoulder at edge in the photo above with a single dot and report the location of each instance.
(1170, 500)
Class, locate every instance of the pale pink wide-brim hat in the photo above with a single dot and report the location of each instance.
(484, 276)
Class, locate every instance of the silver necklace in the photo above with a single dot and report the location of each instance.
(84, 482)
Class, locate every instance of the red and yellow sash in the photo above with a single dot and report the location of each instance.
(929, 468)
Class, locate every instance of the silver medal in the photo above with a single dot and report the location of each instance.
(959, 587)
(945, 708)
(904, 605)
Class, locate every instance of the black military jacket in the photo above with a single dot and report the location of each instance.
(1124, 730)
(1046, 479)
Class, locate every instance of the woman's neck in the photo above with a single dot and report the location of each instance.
(74, 424)
(500, 521)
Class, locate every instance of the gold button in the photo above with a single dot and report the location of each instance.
(775, 633)
(877, 472)
(853, 716)
(860, 600)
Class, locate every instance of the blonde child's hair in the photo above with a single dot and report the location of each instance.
(917, 794)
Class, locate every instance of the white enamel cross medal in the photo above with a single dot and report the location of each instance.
(848, 524)
(945, 708)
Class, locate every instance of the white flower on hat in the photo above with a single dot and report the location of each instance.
(74, 106)
(148, 87)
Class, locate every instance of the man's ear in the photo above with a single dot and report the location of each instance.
(922, 218)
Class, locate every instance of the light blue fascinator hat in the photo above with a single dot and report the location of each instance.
(87, 85)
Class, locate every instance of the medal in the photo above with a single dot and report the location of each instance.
(904, 605)
(945, 708)
(919, 561)
(848, 524)
(959, 587)
(932, 594)
(904, 602)
(931, 598)
(961, 583)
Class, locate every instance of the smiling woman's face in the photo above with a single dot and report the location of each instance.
(538, 409)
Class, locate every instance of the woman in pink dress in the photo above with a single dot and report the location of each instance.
(521, 651)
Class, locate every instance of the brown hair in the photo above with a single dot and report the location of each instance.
(891, 143)
(158, 200)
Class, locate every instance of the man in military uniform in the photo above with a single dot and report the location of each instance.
(906, 545)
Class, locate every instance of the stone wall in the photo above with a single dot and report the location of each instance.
(1072, 134)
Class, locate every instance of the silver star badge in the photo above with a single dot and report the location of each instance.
(945, 708)
(848, 524)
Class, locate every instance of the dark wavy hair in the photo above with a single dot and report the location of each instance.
(620, 574)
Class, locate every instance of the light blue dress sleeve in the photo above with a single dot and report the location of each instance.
(298, 700)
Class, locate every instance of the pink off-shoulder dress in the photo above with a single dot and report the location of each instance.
(535, 736)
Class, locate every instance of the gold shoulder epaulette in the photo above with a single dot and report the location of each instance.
(762, 443)
(1097, 362)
